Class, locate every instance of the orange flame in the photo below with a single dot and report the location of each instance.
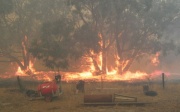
(88, 73)
(100, 42)
(33, 73)
(155, 59)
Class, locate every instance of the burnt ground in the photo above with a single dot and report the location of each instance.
(13, 100)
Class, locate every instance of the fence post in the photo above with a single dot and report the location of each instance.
(163, 80)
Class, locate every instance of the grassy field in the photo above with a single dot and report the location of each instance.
(167, 100)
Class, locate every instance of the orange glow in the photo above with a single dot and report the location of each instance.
(100, 42)
(155, 60)
(111, 76)
(32, 72)
(99, 60)
(85, 74)
(88, 74)
(23, 73)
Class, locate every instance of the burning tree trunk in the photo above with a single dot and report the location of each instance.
(133, 57)
(25, 53)
(104, 62)
(97, 69)
(119, 52)
(25, 64)
(126, 68)
(103, 58)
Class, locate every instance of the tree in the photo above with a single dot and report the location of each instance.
(21, 21)
(148, 30)
(63, 40)
(134, 28)
(6, 42)
(94, 17)
(128, 29)
(16, 32)
(6, 8)
(55, 46)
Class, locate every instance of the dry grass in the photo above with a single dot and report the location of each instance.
(168, 100)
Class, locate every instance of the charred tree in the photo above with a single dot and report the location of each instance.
(104, 62)
(97, 68)
(25, 52)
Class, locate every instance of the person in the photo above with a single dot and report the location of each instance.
(80, 86)
(58, 78)
(58, 81)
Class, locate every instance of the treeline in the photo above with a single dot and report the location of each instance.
(61, 31)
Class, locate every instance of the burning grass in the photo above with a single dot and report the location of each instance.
(167, 100)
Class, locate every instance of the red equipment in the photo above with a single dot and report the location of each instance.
(47, 90)
(50, 89)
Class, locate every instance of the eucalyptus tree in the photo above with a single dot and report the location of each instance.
(93, 17)
(20, 23)
(123, 28)
(143, 36)
(104, 18)
(5, 10)
(17, 27)
(129, 28)
(30, 16)
(6, 40)
(55, 45)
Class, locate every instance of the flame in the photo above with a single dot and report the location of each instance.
(100, 42)
(111, 76)
(21, 72)
(33, 73)
(155, 59)
(88, 74)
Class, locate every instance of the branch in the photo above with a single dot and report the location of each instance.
(13, 58)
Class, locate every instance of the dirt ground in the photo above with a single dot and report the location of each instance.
(167, 100)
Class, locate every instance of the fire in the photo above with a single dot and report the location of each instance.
(33, 73)
(88, 73)
(100, 42)
(155, 59)
(128, 76)
(111, 76)
(22, 72)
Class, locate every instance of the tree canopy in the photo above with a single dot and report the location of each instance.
(59, 31)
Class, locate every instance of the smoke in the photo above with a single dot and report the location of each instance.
(171, 61)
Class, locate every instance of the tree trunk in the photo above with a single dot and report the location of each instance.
(15, 59)
(25, 52)
(120, 68)
(104, 62)
(97, 69)
(25, 65)
(119, 52)
(126, 68)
